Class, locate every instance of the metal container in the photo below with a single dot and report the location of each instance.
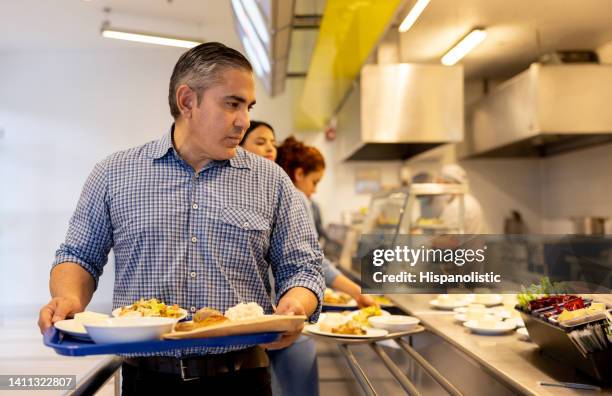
(554, 342)
(589, 225)
(403, 109)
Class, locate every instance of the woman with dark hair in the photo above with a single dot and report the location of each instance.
(259, 139)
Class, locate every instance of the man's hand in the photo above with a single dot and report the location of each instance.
(288, 306)
(58, 309)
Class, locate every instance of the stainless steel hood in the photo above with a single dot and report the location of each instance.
(545, 110)
(399, 110)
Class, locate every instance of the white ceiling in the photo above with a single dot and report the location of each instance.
(512, 27)
(510, 46)
(75, 24)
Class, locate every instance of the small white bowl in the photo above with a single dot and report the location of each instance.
(394, 323)
(120, 330)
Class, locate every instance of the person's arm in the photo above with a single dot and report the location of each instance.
(71, 290)
(295, 256)
(80, 259)
(344, 284)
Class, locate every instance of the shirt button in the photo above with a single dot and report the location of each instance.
(245, 224)
(194, 239)
(195, 206)
(193, 274)
(193, 309)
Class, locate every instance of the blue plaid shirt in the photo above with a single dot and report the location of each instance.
(197, 240)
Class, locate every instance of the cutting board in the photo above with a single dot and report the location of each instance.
(264, 324)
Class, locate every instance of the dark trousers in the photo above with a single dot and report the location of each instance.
(139, 381)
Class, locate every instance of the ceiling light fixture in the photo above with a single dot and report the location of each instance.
(149, 38)
(413, 14)
(465, 45)
(251, 36)
(252, 10)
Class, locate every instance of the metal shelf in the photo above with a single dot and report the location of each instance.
(406, 345)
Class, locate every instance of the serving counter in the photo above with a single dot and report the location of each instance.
(516, 364)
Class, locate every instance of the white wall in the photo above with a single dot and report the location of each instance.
(60, 113)
(336, 191)
(577, 183)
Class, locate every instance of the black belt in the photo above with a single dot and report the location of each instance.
(193, 367)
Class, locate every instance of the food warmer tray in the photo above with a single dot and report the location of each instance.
(65, 345)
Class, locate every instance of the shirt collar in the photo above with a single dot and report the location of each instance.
(162, 146)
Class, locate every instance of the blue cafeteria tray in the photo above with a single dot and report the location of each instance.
(63, 344)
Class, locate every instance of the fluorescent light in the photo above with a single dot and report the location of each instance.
(257, 18)
(251, 54)
(247, 27)
(148, 38)
(413, 14)
(464, 46)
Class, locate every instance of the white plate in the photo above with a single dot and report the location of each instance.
(116, 311)
(518, 321)
(394, 323)
(72, 328)
(449, 305)
(461, 317)
(501, 327)
(370, 332)
(489, 300)
(523, 333)
(135, 329)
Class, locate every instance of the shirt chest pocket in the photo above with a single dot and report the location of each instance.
(244, 220)
(244, 232)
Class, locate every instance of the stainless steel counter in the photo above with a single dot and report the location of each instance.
(516, 363)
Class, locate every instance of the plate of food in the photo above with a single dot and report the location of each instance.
(348, 329)
(383, 301)
(338, 300)
(362, 315)
(150, 308)
(244, 318)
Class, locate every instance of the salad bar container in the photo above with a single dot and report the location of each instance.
(589, 353)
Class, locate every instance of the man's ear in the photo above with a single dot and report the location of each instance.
(186, 100)
(298, 174)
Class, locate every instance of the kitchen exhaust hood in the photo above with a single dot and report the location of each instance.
(546, 110)
(399, 110)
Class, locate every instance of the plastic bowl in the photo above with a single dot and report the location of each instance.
(121, 330)
(394, 323)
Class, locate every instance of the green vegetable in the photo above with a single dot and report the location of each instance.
(544, 289)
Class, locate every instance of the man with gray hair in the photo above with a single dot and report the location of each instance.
(196, 221)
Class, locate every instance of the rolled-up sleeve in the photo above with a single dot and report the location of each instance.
(295, 254)
(329, 272)
(89, 237)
